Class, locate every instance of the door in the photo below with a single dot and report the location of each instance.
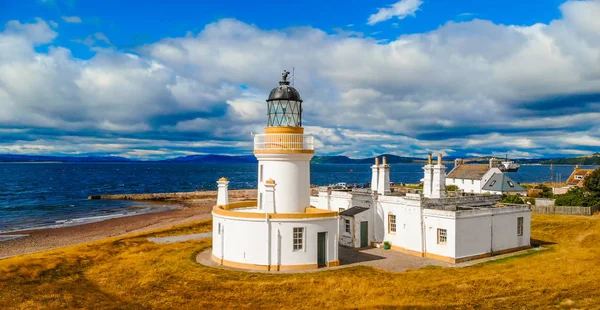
(364, 234)
(322, 249)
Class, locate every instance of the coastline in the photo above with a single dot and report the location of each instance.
(42, 239)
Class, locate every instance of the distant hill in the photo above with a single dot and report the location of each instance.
(391, 159)
(593, 159)
(212, 159)
(62, 159)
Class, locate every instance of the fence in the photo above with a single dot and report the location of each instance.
(565, 210)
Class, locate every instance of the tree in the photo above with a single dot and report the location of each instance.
(592, 183)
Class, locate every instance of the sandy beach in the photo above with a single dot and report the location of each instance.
(52, 238)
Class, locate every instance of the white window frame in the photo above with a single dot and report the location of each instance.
(520, 226)
(348, 227)
(392, 224)
(442, 236)
(298, 238)
(260, 173)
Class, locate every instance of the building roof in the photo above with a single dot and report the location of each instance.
(500, 182)
(353, 211)
(578, 176)
(468, 172)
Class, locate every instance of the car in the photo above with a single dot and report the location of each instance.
(340, 185)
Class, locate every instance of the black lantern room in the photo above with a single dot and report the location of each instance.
(284, 106)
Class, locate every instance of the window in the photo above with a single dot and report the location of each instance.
(298, 237)
(261, 174)
(510, 184)
(519, 226)
(492, 183)
(391, 223)
(347, 223)
(260, 201)
(219, 229)
(442, 235)
(472, 182)
(578, 177)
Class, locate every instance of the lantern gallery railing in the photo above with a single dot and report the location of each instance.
(284, 142)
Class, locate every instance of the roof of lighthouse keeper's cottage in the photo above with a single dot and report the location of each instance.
(468, 172)
(499, 182)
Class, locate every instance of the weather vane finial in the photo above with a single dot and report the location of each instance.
(284, 75)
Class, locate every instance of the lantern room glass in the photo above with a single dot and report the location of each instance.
(284, 113)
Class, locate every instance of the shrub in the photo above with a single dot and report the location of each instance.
(530, 200)
(452, 188)
(516, 199)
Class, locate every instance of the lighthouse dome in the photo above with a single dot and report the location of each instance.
(284, 91)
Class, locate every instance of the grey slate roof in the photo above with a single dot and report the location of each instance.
(353, 211)
(500, 182)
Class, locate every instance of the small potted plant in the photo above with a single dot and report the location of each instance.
(387, 245)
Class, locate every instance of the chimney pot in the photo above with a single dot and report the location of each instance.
(440, 159)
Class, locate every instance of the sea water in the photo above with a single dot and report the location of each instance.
(55, 194)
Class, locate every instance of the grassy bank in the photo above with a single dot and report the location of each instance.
(131, 272)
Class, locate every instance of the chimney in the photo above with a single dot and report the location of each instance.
(383, 185)
(438, 182)
(428, 177)
(458, 162)
(375, 175)
(222, 194)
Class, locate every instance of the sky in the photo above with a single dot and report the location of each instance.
(161, 79)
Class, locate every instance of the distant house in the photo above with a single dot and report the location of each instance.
(479, 179)
(471, 178)
(578, 176)
(576, 179)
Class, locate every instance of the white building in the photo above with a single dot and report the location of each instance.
(428, 224)
(280, 231)
(478, 179)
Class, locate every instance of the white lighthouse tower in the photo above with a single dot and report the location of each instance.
(280, 231)
(284, 152)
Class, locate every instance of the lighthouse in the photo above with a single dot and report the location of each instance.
(280, 230)
(284, 152)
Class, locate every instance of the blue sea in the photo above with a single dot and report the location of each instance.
(55, 194)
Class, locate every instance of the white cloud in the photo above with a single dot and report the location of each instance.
(72, 19)
(473, 87)
(400, 10)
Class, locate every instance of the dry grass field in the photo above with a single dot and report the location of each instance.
(132, 273)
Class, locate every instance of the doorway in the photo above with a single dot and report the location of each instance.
(322, 249)
(364, 234)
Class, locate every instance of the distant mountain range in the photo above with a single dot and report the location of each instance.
(221, 159)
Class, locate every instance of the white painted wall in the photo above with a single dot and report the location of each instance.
(245, 240)
(434, 219)
(291, 172)
(505, 231)
(467, 186)
(408, 222)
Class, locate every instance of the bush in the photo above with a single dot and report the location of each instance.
(516, 199)
(451, 188)
(530, 200)
(577, 196)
